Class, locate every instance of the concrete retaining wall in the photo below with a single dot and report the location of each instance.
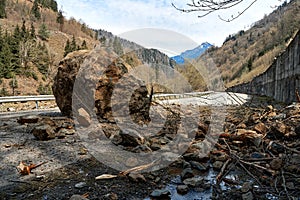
(281, 79)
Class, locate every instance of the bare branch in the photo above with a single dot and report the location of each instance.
(206, 7)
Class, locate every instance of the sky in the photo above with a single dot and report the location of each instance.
(121, 16)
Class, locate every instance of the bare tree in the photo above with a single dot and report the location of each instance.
(206, 7)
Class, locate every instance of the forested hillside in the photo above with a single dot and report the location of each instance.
(34, 36)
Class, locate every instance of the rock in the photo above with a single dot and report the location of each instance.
(132, 162)
(28, 119)
(182, 189)
(187, 173)
(290, 185)
(279, 129)
(297, 130)
(65, 131)
(80, 185)
(136, 177)
(131, 137)
(43, 132)
(11, 109)
(260, 128)
(194, 182)
(186, 164)
(65, 78)
(78, 197)
(110, 196)
(247, 196)
(276, 164)
(247, 186)
(155, 146)
(276, 148)
(199, 166)
(161, 194)
(83, 118)
(218, 165)
(257, 155)
(97, 75)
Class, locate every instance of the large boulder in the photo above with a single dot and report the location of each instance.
(86, 82)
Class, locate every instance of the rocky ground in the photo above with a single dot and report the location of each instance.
(257, 156)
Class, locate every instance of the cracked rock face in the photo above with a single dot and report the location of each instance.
(86, 81)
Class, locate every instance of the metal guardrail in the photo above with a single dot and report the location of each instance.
(37, 99)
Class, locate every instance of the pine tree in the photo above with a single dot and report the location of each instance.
(13, 84)
(60, 19)
(73, 45)
(24, 31)
(43, 32)
(35, 10)
(83, 45)
(2, 8)
(32, 31)
(117, 46)
(67, 48)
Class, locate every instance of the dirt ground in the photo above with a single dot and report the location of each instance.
(256, 157)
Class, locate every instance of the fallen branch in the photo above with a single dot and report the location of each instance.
(138, 168)
(221, 174)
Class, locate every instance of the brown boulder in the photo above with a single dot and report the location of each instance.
(96, 83)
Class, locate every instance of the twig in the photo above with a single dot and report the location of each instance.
(284, 185)
(250, 174)
(138, 168)
(258, 166)
(287, 148)
(221, 174)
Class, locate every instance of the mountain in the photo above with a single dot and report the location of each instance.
(192, 54)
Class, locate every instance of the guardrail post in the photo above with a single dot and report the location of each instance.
(37, 104)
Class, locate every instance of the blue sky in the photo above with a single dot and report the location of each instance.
(119, 16)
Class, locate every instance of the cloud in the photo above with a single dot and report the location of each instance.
(120, 16)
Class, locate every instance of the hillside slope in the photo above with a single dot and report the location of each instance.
(247, 54)
(37, 35)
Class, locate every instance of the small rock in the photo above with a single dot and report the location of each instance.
(83, 118)
(161, 194)
(257, 155)
(11, 109)
(193, 182)
(260, 128)
(155, 146)
(65, 131)
(247, 196)
(276, 148)
(43, 132)
(78, 197)
(182, 189)
(28, 119)
(136, 177)
(290, 185)
(132, 162)
(187, 173)
(131, 137)
(186, 165)
(276, 164)
(279, 129)
(80, 185)
(111, 196)
(247, 186)
(218, 165)
(199, 166)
